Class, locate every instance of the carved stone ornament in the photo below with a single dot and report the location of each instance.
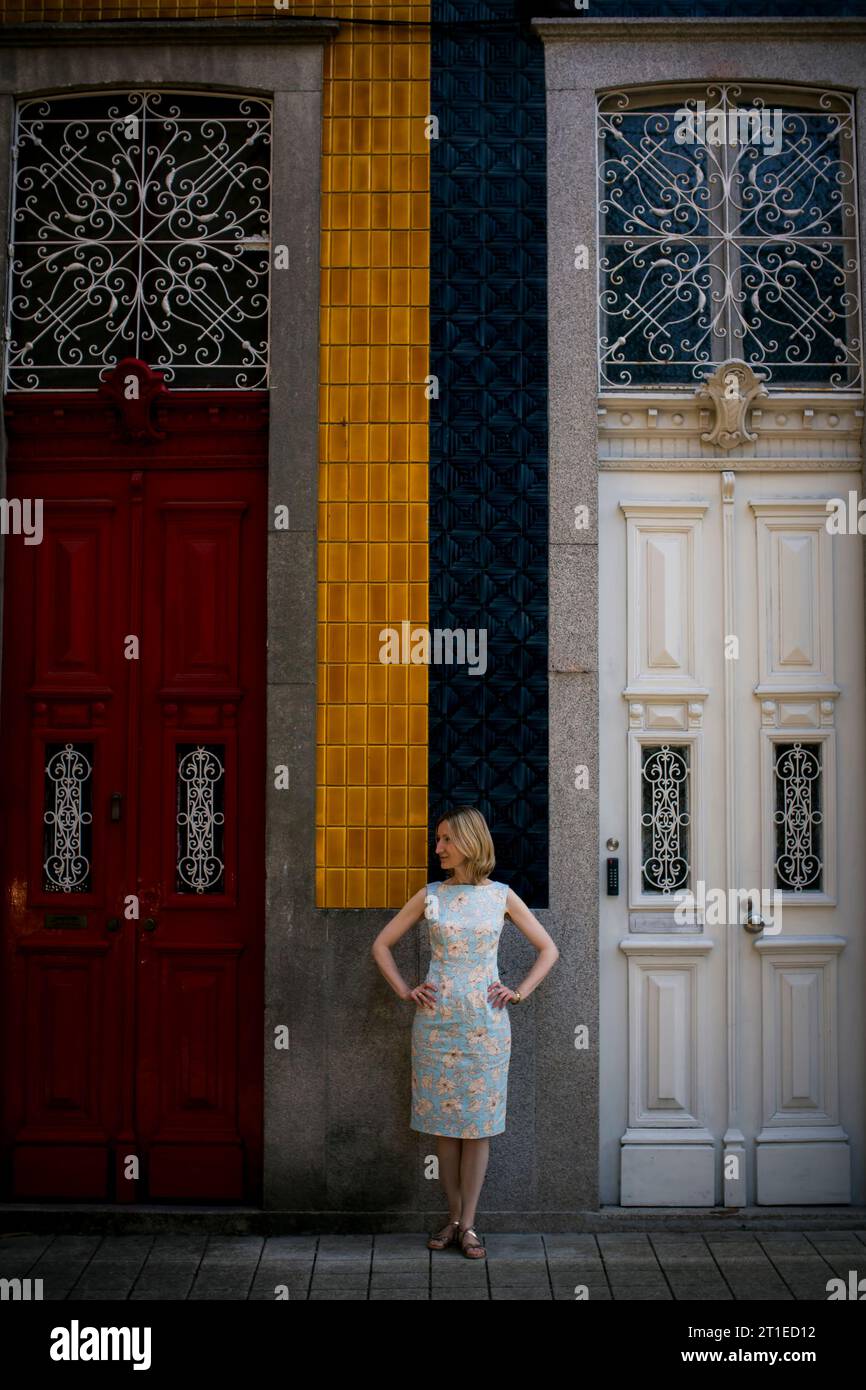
(132, 389)
(731, 388)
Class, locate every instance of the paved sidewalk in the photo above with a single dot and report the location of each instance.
(738, 1266)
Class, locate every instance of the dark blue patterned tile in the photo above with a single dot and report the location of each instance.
(488, 433)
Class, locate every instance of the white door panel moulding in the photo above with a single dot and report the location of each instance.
(664, 612)
(795, 596)
(803, 1153)
(667, 1150)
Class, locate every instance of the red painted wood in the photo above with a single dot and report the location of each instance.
(135, 1044)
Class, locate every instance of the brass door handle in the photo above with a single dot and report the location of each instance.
(150, 924)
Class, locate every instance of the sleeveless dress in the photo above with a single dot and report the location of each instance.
(461, 1047)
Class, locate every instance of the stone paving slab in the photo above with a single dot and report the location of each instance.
(664, 1265)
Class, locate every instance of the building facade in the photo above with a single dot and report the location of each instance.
(542, 329)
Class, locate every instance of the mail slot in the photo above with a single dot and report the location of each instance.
(65, 921)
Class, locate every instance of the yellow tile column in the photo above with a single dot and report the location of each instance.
(373, 479)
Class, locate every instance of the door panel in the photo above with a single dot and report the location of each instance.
(731, 750)
(63, 754)
(132, 807)
(201, 870)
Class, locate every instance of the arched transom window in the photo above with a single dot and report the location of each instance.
(140, 228)
(728, 228)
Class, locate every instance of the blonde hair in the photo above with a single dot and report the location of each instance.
(471, 835)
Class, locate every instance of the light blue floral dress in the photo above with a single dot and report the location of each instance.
(461, 1047)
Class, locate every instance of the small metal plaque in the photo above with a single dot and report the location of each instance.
(658, 923)
(65, 921)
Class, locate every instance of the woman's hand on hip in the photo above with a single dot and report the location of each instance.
(498, 994)
(424, 994)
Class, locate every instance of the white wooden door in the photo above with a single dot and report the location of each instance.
(731, 670)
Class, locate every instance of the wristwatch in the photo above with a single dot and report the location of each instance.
(516, 999)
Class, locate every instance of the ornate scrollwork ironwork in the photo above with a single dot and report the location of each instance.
(798, 817)
(140, 228)
(200, 819)
(67, 818)
(715, 248)
(665, 818)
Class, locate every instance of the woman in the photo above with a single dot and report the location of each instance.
(461, 1033)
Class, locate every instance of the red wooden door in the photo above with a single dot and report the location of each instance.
(132, 738)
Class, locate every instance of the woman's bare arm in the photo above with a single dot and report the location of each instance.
(548, 951)
(391, 933)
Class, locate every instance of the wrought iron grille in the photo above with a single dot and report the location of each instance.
(67, 818)
(140, 227)
(200, 818)
(798, 817)
(665, 818)
(728, 228)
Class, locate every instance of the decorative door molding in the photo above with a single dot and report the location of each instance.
(803, 1153)
(668, 1155)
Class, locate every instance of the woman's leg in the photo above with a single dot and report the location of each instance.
(473, 1166)
(448, 1150)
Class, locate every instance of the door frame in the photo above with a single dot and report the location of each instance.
(211, 447)
(583, 57)
(282, 60)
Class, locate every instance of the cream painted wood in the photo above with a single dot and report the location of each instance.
(723, 1078)
(667, 1153)
(803, 1153)
(796, 657)
(795, 596)
(664, 619)
(733, 1176)
(647, 443)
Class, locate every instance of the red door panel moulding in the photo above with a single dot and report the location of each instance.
(191, 429)
(126, 1038)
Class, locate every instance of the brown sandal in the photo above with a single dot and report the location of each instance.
(472, 1249)
(440, 1240)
